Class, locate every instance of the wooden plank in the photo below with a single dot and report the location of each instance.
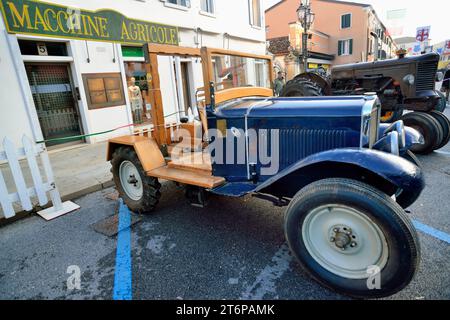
(128, 140)
(234, 93)
(28, 146)
(214, 51)
(208, 74)
(146, 148)
(196, 161)
(8, 209)
(164, 49)
(158, 107)
(187, 177)
(149, 154)
(16, 171)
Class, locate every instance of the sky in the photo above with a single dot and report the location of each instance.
(419, 13)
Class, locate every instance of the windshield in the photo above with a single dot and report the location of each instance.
(234, 72)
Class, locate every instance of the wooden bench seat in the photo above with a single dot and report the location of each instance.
(190, 177)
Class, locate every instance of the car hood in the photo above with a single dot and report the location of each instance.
(347, 106)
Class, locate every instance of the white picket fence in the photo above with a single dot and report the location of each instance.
(40, 188)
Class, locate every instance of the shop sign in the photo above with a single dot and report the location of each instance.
(52, 20)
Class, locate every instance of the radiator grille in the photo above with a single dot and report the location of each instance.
(373, 129)
(297, 144)
(426, 75)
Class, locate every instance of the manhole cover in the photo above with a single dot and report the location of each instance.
(109, 225)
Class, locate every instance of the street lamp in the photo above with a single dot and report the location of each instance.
(306, 18)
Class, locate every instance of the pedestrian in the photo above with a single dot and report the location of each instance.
(278, 84)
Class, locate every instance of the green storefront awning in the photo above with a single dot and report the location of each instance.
(51, 20)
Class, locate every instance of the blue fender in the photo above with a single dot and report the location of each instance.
(401, 174)
(412, 136)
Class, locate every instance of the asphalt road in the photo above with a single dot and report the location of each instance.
(232, 249)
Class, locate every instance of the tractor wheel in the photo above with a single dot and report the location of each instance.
(139, 191)
(430, 129)
(352, 238)
(442, 102)
(301, 87)
(445, 124)
(390, 116)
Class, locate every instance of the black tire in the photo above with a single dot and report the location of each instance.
(399, 233)
(445, 125)
(428, 127)
(301, 87)
(442, 102)
(391, 116)
(151, 186)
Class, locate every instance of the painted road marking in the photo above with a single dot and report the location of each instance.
(265, 281)
(122, 277)
(432, 231)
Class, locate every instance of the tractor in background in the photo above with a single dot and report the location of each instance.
(402, 84)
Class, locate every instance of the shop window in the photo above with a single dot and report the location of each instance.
(137, 90)
(42, 48)
(103, 90)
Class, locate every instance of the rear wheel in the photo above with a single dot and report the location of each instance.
(442, 102)
(352, 238)
(445, 125)
(139, 191)
(430, 129)
(301, 87)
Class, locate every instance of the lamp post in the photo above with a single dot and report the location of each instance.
(306, 18)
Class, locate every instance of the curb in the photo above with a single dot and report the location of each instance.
(71, 196)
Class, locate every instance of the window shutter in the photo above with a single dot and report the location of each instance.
(339, 48)
(350, 46)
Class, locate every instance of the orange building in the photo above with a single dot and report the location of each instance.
(343, 32)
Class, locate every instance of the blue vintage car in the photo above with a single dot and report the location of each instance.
(344, 178)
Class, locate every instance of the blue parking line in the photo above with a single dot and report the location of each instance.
(122, 277)
(431, 231)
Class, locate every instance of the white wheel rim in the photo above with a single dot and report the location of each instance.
(131, 180)
(367, 244)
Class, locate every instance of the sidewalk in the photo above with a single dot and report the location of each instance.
(78, 170)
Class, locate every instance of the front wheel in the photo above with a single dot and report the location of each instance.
(352, 238)
(139, 191)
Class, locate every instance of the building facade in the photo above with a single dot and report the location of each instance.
(71, 68)
(343, 32)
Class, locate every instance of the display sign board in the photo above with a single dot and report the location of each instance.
(46, 19)
(423, 34)
(447, 47)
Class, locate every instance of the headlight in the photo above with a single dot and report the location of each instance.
(409, 79)
(439, 76)
(389, 143)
